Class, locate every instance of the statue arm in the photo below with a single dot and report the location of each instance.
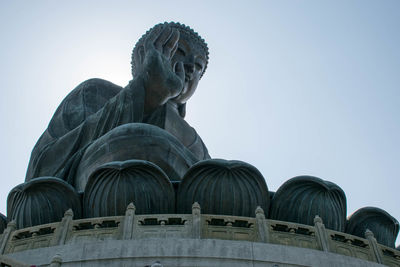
(157, 81)
(52, 155)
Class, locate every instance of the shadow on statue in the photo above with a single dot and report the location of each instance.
(107, 146)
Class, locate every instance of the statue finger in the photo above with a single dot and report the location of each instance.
(180, 70)
(162, 38)
(151, 38)
(173, 51)
(171, 45)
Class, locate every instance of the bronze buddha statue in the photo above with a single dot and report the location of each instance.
(167, 64)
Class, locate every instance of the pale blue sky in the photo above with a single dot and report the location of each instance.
(292, 87)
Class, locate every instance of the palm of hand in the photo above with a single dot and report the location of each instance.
(160, 77)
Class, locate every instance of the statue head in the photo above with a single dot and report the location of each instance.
(192, 51)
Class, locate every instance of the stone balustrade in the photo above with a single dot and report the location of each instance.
(196, 226)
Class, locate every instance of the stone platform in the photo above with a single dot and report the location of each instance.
(183, 252)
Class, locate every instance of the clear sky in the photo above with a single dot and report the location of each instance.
(292, 87)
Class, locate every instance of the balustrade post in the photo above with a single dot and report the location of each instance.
(61, 233)
(129, 222)
(196, 218)
(56, 261)
(377, 254)
(262, 225)
(321, 234)
(11, 226)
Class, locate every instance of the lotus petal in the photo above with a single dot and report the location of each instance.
(42, 200)
(114, 185)
(223, 187)
(301, 198)
(378, 221)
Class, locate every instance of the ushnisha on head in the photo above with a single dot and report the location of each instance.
(185, 32)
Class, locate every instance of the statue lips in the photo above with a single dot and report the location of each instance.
(188, 77)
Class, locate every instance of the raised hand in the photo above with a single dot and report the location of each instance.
(161, 79)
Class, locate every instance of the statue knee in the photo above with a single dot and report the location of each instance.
(135, 141)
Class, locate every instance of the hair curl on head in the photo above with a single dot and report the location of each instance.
(194, 36)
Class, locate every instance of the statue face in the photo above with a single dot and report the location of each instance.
(194, 61)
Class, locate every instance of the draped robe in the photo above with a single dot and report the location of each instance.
(86, 131)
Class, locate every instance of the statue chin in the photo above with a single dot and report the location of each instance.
(137, 141)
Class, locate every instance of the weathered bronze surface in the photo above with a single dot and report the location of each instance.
(167, 64)
(114, 185)
(3, 223)
(301, 198)
(42, 200)
(99, 124)
(223, 187)
(381, 223)
(107, 146)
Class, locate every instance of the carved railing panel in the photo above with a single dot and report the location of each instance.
(94, 229)
(162, 226)
(349, 245)
(30, 238)
(292, 234)
(228, 227)
(391, 257)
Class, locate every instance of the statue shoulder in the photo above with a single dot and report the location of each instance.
(86, 99)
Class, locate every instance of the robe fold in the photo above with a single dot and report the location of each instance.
(93, 109)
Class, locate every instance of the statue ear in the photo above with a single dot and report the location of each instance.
(182, 110)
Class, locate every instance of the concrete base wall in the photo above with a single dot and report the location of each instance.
(184, 252)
